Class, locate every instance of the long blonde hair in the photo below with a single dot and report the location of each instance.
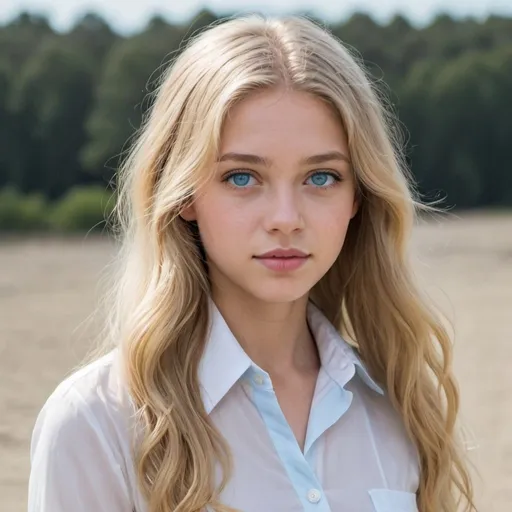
(160, 314)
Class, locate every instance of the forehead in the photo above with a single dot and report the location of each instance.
(276, 121)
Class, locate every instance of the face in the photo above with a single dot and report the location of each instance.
(274, 217)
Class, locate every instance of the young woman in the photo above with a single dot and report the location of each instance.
(266, 216)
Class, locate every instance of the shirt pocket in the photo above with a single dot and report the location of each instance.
(386, 500)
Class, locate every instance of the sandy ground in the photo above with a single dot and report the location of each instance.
(49, 287)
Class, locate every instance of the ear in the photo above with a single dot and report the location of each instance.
(355, 206)
(188, 213)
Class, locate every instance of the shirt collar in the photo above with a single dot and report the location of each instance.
(336, 355)
(224, 361)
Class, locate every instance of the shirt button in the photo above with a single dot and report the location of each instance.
(314, 495)
(259, 379)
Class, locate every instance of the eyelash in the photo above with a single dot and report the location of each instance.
(337, 178)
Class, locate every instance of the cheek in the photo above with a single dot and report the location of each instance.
(222, 223)
(333, 219)
(330, 226)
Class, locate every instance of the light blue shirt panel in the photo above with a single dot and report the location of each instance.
(300, 471)
(330, 402)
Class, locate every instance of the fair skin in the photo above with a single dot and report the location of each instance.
(279, 200)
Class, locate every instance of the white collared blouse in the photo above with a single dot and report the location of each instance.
(356, 458)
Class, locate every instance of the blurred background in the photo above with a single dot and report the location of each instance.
(76, 76)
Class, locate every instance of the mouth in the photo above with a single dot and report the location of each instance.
(283, 254)
(283, 260)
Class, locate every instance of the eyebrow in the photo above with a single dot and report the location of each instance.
(260, 160)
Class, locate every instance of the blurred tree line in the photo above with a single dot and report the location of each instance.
(69, 102)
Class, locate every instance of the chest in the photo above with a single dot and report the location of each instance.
(295, 398)
(339, 451)
(356, 456)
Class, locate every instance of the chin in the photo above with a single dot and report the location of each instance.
(279, 293)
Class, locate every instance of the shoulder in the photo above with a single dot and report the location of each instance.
(80, 448)
(94, 397)
(92, 388)
(86, 378)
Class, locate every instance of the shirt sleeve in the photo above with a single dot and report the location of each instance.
(74, 467)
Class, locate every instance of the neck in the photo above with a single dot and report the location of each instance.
(275, 336)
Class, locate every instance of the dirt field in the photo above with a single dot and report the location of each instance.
(48, 288)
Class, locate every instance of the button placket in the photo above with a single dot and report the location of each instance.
(259, 379)
(314, 495)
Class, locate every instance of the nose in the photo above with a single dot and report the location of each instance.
(283, 211)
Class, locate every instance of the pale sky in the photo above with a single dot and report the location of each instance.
(131, 15)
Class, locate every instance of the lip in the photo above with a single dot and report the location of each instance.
(283, 260)
(283, 253)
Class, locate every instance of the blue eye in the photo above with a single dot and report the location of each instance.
(323, 179)
(239, 179)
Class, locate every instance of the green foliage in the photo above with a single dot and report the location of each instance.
(70, 104)
(136, 63)
(82, 209)
(93, 37)
(22, 213)
(5, 122)
(458, 114)
(21, 36)
(53, 97)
